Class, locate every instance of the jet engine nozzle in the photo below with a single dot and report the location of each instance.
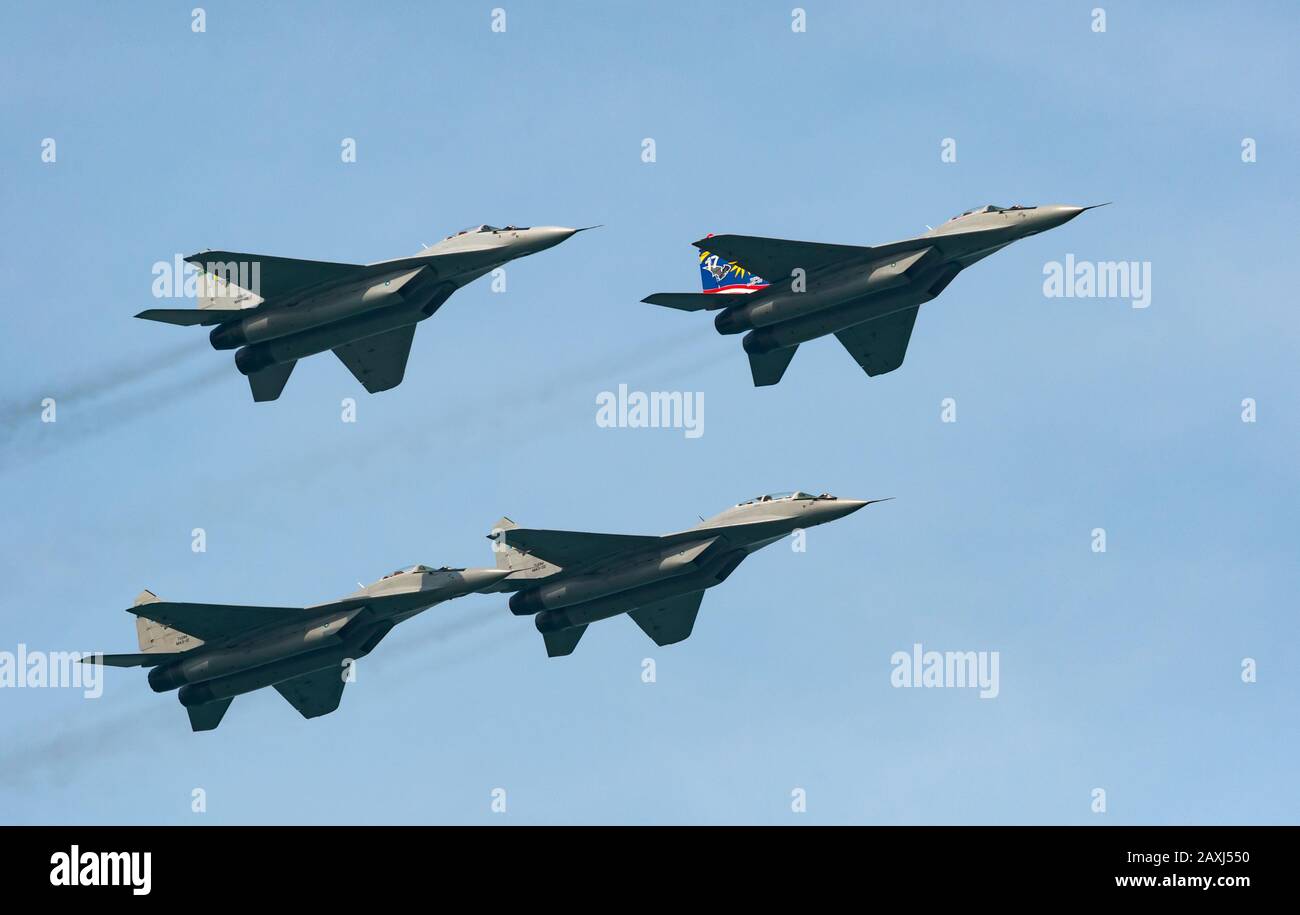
(732, 321)
(253, 358)
(525, 603)
(195, 694)
(165, 678)
(552, 621)
(228, 336)
(760, 341)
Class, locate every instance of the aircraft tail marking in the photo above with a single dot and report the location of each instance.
(720, 275)
(522, 564)
(156, 638)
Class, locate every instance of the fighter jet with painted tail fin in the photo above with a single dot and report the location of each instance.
(212, 653)
(277, 310)
(566, 580)
(867, 297)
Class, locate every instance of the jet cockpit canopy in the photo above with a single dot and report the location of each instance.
(473, 230)
(418, 569)
(785, 497)
(990, 208)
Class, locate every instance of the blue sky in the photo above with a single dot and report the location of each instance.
(1119, 670)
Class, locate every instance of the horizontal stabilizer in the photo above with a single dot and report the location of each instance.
(207, 716)
(188, 317)
(149, 659)
(268, 383)
(686, 301)
(767, 368)
(561, 643)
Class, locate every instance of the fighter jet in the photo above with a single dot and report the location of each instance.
(215, 652)
(568, 579)
(867, 297)
(278, 310)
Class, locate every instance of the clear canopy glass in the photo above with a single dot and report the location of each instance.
(476, 229)
(783, 496)
(412, 570)
(991, 208)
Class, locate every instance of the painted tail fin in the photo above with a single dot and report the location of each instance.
(716, 277)
(719, 276)
(520, 563)
(155, 637)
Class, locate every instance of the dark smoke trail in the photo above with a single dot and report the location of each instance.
(432, 637)
(73, 745)
(73, 428)
(481, 412)
(538, 428)
(646, 353)
(465, 653)
(97, 382)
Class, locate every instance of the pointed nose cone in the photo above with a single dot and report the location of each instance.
(556, 234)
(839, 508)
(481, 579)
(1058, 214)
(543, 237)
(842, 508)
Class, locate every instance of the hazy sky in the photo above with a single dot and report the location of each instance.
(1119, 670)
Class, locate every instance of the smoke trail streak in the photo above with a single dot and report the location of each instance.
(469, 652)
(481, 413)
(470, 621)
(98, 382)
(540, 428)
(74, 746)
(646, 353)
(39, 440)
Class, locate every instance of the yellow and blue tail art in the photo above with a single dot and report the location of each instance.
(719, 276)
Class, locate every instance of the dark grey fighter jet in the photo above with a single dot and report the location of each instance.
(214, 652)
(569, 579)
(278, 310)
(867, 297)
